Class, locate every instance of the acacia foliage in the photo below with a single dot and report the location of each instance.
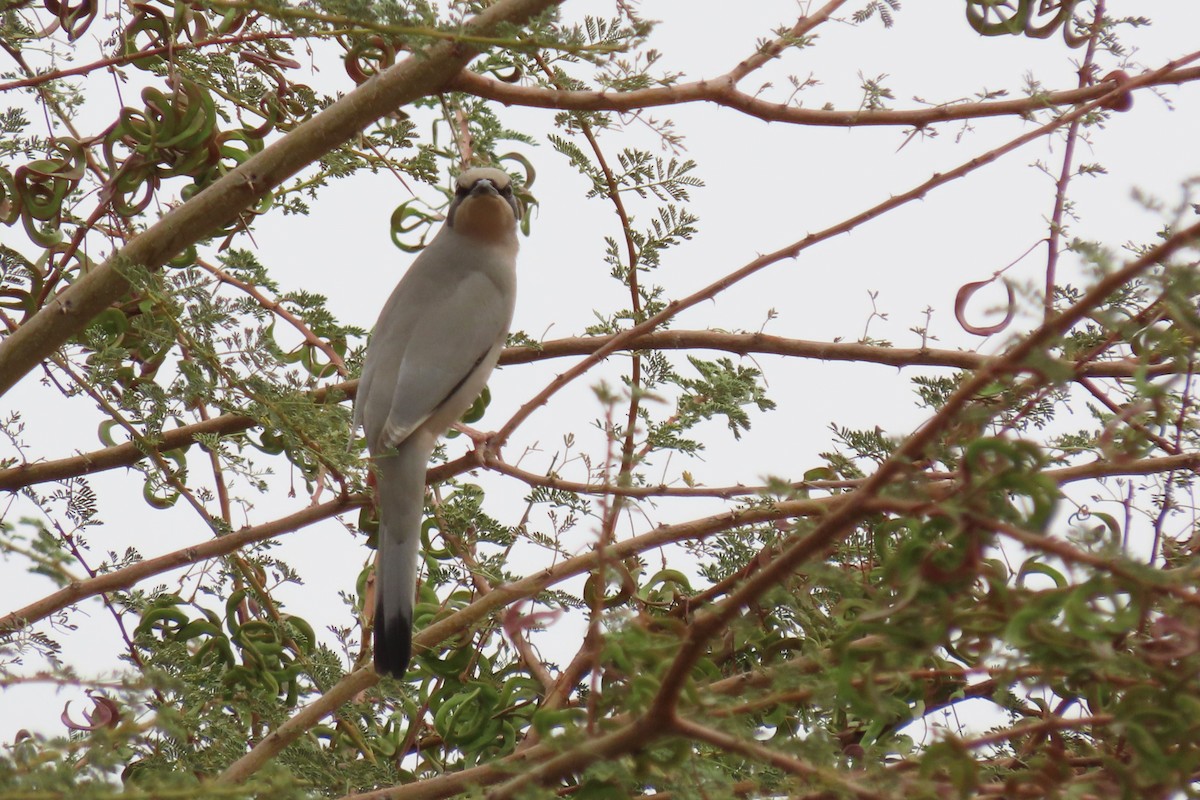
(789, 635)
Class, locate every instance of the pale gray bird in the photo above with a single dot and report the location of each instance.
(435, 344)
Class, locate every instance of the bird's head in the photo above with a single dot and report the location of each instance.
(484, 207)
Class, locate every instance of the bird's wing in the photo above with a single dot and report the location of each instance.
(449, 341)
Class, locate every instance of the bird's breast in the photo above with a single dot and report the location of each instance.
(487, 218)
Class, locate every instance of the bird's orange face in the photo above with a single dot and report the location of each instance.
(486, 217)
(484, 207)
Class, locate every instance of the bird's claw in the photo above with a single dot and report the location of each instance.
(484, 443)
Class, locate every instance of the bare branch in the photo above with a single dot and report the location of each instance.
(127, 576)
(723, 92)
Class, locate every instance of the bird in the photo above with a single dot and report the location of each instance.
(436, 342)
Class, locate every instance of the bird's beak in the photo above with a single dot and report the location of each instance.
(484, 186)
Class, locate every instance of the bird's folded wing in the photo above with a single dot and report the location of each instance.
(449, 341)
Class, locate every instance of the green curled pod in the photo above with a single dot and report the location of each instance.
(315, 363)
(231, 21)
(74, 19)
(406, 219)
(1052, 17)
(45, 235)
(126, 186)
(41, 187)
(474, 413)
(40, 191)
(676, 580)
(289, 683)
(454, 657)
(502, 740)
(166, 619)
(273, 112)
(137, 129)
(1029, 625)
(198, 627)
(997, 17)
(252, 656)
(299, 102)
(520, 689)
(516, 71)
(188, 116)
(985, 457)
(1032, 566)
(428, 550)
(547, 722)
(13, 295)
(156, 500)
(108, 328)
(477, 409)
(215, 649)
(152, 22)
(325, 733)
(529, 173)
(261, 636)
(237, 147)
(468, 717)
(232, 603)
(301, 632)
(368, 57)
(185, 259)
(269, 441)
(592, 591)
(10, 206)
(239, 675)
(525, 199)
(79, 262)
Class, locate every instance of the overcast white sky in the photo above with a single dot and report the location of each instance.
(766, 186)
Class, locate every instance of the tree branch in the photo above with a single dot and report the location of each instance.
(127, 576)
(128, 454)
(722, 91)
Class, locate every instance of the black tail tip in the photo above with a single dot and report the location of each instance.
(393, 646)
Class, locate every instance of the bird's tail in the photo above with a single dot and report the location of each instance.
(400, 481)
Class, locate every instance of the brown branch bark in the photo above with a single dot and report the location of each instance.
(793, 250)
(722, 91)
(129, 453)
(125, 455)
(220, 204)
(452, 783)
(128, 58)
(841, 519)
(127, 576)
(759, 753)
(764, 344)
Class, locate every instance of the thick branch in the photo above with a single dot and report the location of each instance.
(220, 204)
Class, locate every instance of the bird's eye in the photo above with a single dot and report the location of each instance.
(462, 191)
(506, 191)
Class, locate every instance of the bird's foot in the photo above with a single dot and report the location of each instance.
(485, 447)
